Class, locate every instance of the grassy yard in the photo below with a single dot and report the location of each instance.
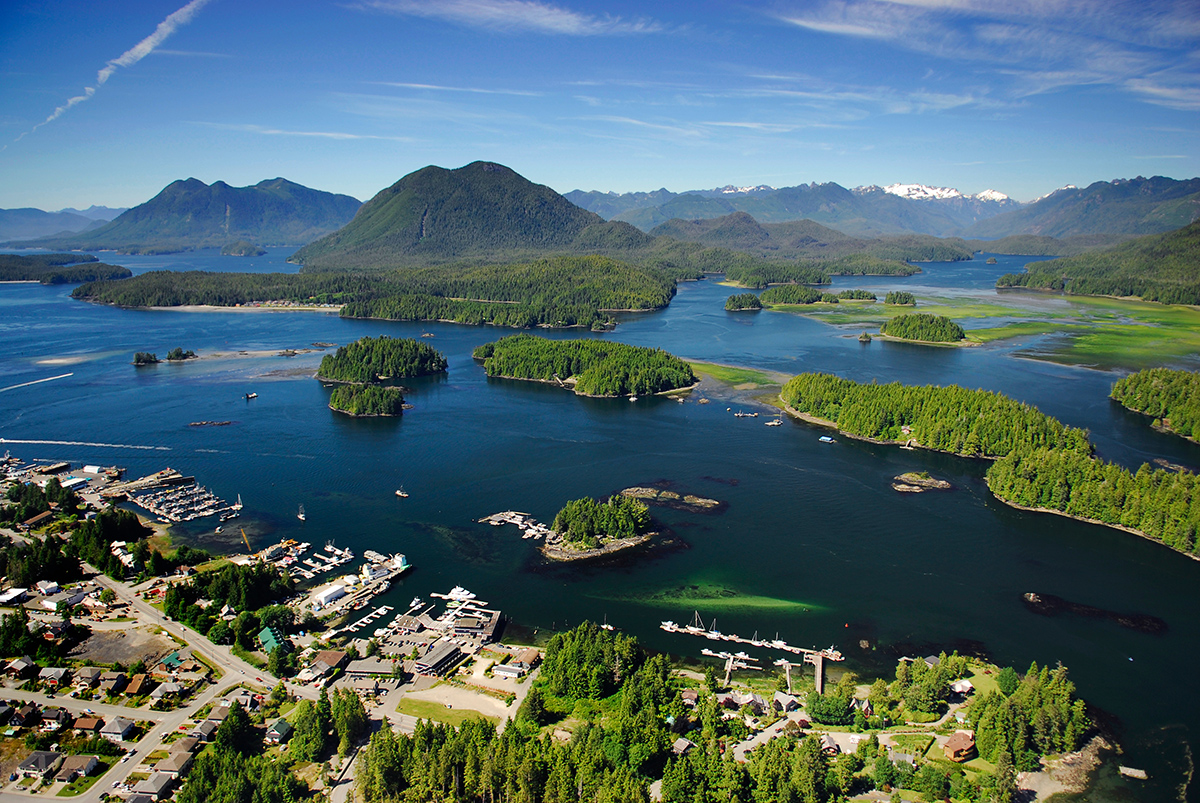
(425, 709)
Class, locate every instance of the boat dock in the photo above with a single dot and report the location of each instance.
(528, 525)
(322, 561)
(697, 628)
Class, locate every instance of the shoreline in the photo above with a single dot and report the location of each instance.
(364, 415)
(569, 384)
(911, 443)
(957, 344)
(563, 554)
(240, 308)
(1073, 517)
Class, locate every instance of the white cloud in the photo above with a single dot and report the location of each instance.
(130, 57)
(281, 132)
(514, 16)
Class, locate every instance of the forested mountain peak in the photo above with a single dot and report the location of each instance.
(482, 210)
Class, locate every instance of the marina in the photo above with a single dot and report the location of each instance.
(172, 497)
(529, 526)
(698, 628)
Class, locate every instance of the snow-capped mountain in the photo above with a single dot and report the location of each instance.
(924, 192)
(1060, 189)
(729, 189)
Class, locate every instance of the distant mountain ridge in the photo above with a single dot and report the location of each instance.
(1130, 207)
(864, 211)
(483, 210)
(189, 214)
(29, 223)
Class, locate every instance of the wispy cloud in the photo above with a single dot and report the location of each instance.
(470, 89)
(130, 57)
(162, 51)
(282, 132)
(511, 16)
(1146, 48)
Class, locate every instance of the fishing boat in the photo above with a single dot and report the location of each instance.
(416, 602)
(400, 492)
(251, 396)
(301, 515)
(775, 423)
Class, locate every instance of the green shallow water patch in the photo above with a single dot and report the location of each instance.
(710, 597)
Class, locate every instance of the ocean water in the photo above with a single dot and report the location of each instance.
(811, 541)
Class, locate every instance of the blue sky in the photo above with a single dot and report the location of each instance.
(106, 103)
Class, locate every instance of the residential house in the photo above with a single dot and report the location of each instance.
(897, 756)
(38, 520)
(55, 719)
(157, 786)
(187, 744)
(271, 638)
(784, 702)
(88, 725)
(245, 699)
(932, 660)
(88, 677)
(863, 705)
(139, 684)
(962, 687)
(113, 682)
(279, 732)
(40, 764)
(26, 716)
(204, 731)
(828, 746)
(217, 714)
(682, 745)
(20, 667)
(77, 767)
(165, 690)
(334, 659)
(168, 665)
(54, 676)
(6, 712)
(690, 697)
(117, 729)
(960, 746)
(176, 764)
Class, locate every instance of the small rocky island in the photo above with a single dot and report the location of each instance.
(242, 248)
(915, 482)
(673, 500)
(367, 401)
(361, 367)
(587, 528)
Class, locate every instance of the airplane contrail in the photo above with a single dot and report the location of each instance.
(86, 443)
(127, 59)
(36, 381)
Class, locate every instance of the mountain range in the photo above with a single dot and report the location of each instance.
(29, 223)
(1122, 207)
(190, 214)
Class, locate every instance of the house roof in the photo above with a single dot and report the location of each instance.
(174, 762)
(207, 727)
(960, 740)
(155, 785)
(89, 723)
(79, 763)
(186, 744)
(39, 761)
(117, 725)
(280, 726)
(331, 658)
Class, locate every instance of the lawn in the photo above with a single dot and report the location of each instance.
(425, 709)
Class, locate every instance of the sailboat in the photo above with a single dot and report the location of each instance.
(606, 625)
(238, 506)
(403, 494)
(301, 515)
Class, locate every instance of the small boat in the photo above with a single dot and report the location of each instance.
(251, 396)
(217, 531)
(416, 601)
(238, 506)
(775, 423)
(606, 625)
(400, 492)
(826, 439)
(301, 515)
(633, 398)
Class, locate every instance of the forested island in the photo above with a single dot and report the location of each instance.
(242, 248)
(1172, 398)
(58, 269)
(799, 294)
(1158, 267)
(366, 401)
(589, 367)
(369, 360)
(742, 302)
(587, 527)
(1040, 463)
(177, 354)
(923, 328)
(900, 298)
(760, 273)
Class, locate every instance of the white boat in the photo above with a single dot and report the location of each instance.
(633, 398)
(301, 515)
(238, 506)
(826, 439)
(775, 423)
(416, 601)
(218, 530)
(400, 492)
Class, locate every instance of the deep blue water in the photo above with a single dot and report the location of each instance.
(812, 530)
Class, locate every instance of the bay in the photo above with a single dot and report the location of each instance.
(813, 542)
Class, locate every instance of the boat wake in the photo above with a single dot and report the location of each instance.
(88, 443)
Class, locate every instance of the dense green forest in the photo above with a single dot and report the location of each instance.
(57, 269)
(743, 301)
(925, 327)
(900, 299)
(1041, 463)
(1039, 717)
(367, 400)
(372, 359)
(586, 522)
(558, 291)
(599, 367)
(1158, 267)
(253, 590)
(797, 294)
(857, 295)
(759, 273)
(1163, 505)
(1171, 397)
(242, 248)
(974, 423)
